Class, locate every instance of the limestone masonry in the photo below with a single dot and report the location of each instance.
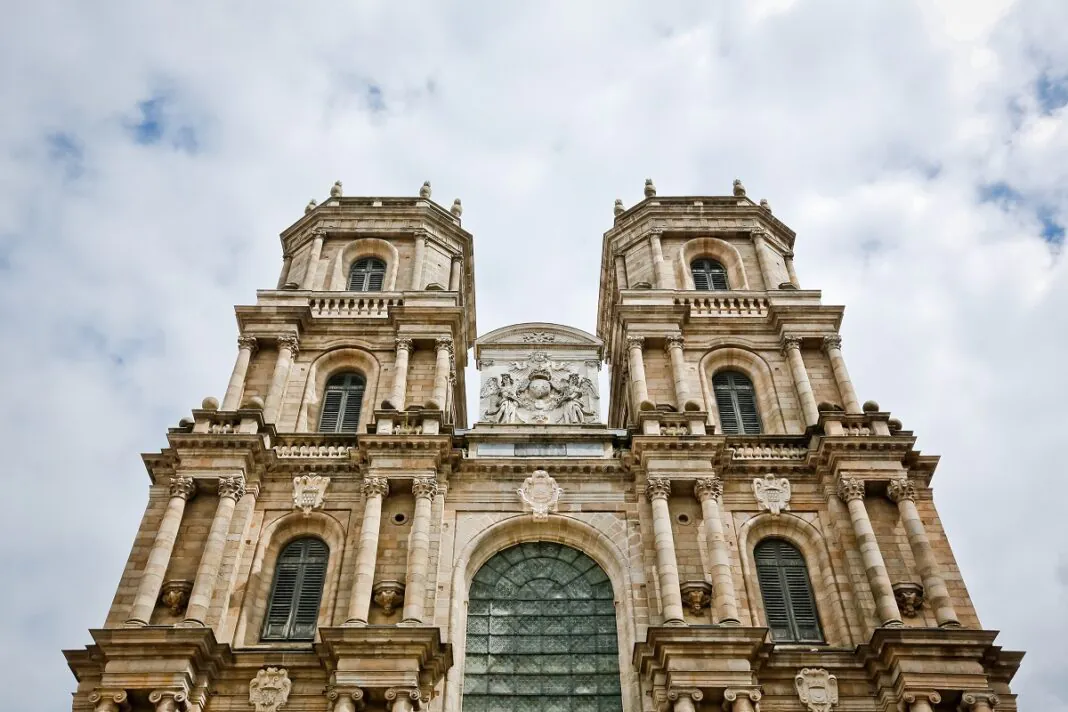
(340, 534)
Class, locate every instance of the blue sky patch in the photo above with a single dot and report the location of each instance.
(156, 123)
(67, 152)
(149, 127)
(1052, 92)
(375, 101)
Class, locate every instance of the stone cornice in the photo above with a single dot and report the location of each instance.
(676, 655)
(354, 656)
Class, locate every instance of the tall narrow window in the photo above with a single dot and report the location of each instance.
(341, 403)
(708, 275)
(293, 608)
(788, 601)
(367, 275)
(736, 403)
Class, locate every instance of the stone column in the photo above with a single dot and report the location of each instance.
(743, 700)
(374, 490)
(851, 491)
(832, 346)
(922, 701)
(402, 699)
(639, 389)
(456, 273)
(684, 700)
(246, 346)
(231, 489)
(287, 264)
(789, 258)
(314, 253)
(182, 490)
(791, 349)
(399, 393)
(709, 491)
(683, 400)
(442, 367)
(660, 271)
(903, 493)
(657, 490)
(621, 273)
(424, 489)
(761, 244)
(416, 285)
(287, 349)
(978, 701)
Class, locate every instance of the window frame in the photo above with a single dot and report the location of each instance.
(710, 270)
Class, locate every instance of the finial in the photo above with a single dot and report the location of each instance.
(739, 189)
(619, 209)
(424, 192)
(765, 204)
(650, 189)
(310, 206)
(457, 209)
(335, 190)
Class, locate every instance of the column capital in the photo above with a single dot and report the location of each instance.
(288, 341)
(672, 341)
(692, 692)
(166, 700)
(421, 233)
(929, 696)
(373, 486)
(977, 700)
(832, 342)
(412, 693)
(184, 487)
(850, 488)
(443, 342)
(657, 488)
(635, 342)
(318, 232)
(758, 233)
(708, 488)
(424, 487)
(404, 344)
(790, 342)
(731, 694)
(354, 693)
(246, 341)
(900, 489)
(232, 486)
(107, 700)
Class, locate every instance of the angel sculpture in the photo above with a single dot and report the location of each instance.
(504, 407)
(573, 392)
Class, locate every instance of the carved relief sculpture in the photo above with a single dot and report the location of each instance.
(817, 689)
(309, 492)
(269, 690)
(539, 390)
(773, 493)
(541, 493)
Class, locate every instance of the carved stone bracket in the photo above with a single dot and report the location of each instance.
(817, 689)
(309, 491)
(541, 493)
(909, 597)
(772, 493)
(269, 690)
(174, 594)
(697, 595)
(389, 595)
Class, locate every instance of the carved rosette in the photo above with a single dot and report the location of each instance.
(790, 342)
(404, 344)
(309, 492)
(183, 487)
(850, 488)
(389, 595)
(269, 690)
(817, 689)
(247, 342)
(174, 595)
(424, 487)
(708, 487)
(832, 342)
(289, 342)
(232, 486)
(772, 493)
(375, 487)
(900, 489)
(541, 493)
(657, 488)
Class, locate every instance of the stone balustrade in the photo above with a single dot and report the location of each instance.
(726, 304)
(349, 305)
(673, 424)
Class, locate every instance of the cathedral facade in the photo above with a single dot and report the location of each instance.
(338, 533)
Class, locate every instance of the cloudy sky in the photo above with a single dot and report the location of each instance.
(150, 153)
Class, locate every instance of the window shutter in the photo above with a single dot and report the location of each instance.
(736, 403)
(747, 410)
(789, 605)
(328, 421)
(293, 609)
(708, 275)
(728, 418)
(718, 277)
(700, 281)
(313, 577)
(776, 607)
(350, 420)
(802, 605)
(374, 283)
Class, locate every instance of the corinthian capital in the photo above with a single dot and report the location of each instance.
(900, 489)
(635, 342)
(183, 487)
(674, 341)
(790, 342)
(375, 486)
(444, 342)
(657, 488)
(404, 344)
(850, 488)
(247, 342)
(424, 487)
(832, 342)
(232, 486)
(289, 341)
(708, 487)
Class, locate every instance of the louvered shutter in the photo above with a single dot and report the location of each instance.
(728, 417)
(700, 281)
(747, 410)
(293, 610)
(802, 604)
(313, 576)
(281, 603)
(367, 275)
(708, 275)
(786, 591)
(718, 276)
(331, 413)
(374, 281)
(736, 403)
(772, 591)
(350, 420)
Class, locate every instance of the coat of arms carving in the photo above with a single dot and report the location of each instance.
(309, 492)
(538, 391)
(269, 690)
(773, 493)
(541, 493)
(817, 689)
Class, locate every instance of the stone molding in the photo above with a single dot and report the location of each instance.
(850, 488)
(708, 487)
(184, 487)
(657, 488)
(375, 486)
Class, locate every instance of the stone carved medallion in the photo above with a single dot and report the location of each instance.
(309, 492)
(817, 689)
(539, 390)
(541, 493)
(773, 493)
(269, 690)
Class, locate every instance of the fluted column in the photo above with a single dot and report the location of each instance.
(639, 388)
(246, 346)
(760, 242)
(922, 701)
(288, 345)
(456, 273)
(832, 346)
(424, 489)
(743, 700)
(231, 489)
(978, 701)
(182, 490)
(416, 285)
(789, 259)
(399, 393)
(903, 492)
(851, 491)
(660, 271)
(283, 276)
(374, 491)
(442, 367)
(683, 400)
(791, 349)
(657, 490)
(709, 491)
(314, 253)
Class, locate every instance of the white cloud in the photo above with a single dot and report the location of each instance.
(870, 127)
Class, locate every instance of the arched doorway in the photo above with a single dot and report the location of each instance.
(541, 634)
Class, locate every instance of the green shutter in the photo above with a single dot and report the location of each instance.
(341, 403)
(708, 275)
(789, 606)
(331, 410)
(350, 420)
(367, 275)
(700, 281)
(293, 608)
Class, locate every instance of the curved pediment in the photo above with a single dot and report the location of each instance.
(537, 333)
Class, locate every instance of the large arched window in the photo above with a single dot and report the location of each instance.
(541, 634)
(341, 403)
(736, 403)
(367, 275)
(293, 608)
(789, 605)
(708, 274)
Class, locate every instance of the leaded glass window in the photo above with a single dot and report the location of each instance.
(541, 634)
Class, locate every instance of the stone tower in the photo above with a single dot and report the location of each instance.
(741, 534)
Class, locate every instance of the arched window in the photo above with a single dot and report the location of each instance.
(736, 403)
(541, 633)
(708, 275)
(367, 275)
(341, 403)
(789, 604)
(293, 608)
